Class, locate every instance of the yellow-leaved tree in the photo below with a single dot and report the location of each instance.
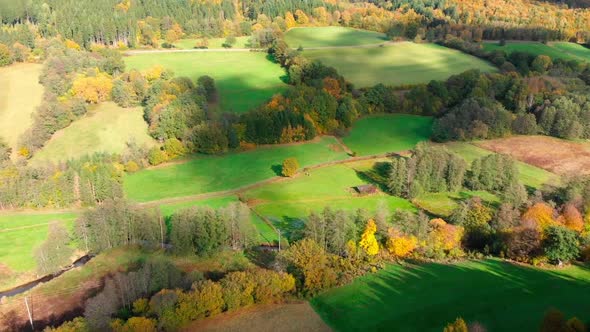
(368, 241)
(93, 89)
(399, 244)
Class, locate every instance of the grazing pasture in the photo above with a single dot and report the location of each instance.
(217, 173)
(425, 297)
(20, 94)
(20, 234)
(388, 133)
(106, 128)
(213, 43)
(244, 80)
(531, 175)
(558, 50)
(443, 204)
(555, 155)
(398, 64)
(287, 203)
(332, 36)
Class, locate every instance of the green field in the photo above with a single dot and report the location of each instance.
(388, 133)
(20, 94)
(107, 128)
(443, 204)
(218, 173)
(332, 36)
(501, 296)
(566, 51)
(244, 80)
(189, 43)
(288, 202)
(398, 64)
(530, 176)
(20, 234)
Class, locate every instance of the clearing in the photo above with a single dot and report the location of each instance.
(332, 36)
(552, 154)
(400, 63)
(293, 317)
(244, 80)
(287, 203)
(388, 133)
(20, 234)
(499, 295)
(106, 128)
(219, 173)
(20, 95)
(561, 50)
(531, 176)
(213, 43)
(444, 203)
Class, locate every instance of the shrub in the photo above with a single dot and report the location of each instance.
(156, 156)
(290, 167)
(5, 55)
(131, 166)
(174, 148)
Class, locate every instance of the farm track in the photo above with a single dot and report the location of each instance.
(206, 50)
(239, 190)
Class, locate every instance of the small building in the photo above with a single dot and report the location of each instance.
(366, 189)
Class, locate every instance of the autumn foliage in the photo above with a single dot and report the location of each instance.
(539, 216)
(400, 245)
(93, 89)
(368, 241)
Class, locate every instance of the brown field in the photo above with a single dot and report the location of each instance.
(261, 318)
(555, 155)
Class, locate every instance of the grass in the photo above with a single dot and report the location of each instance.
(443, 204)
(388, 133)
(530, 175)
(107, 128)
(218, 173)
(287, 203)
(399, 64)
(189, 43)
(560, 50)
(20, 94)
(20, 234)
(332, 36)
(499, 295)
(244, 79)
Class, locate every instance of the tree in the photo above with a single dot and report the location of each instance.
(560, 244)
(368, 240)
(5, 55)
(230, 41)
(523, 243)
(443, 239)
(400, 245)
(5, 151)
(540, 216)
(571, 218)
(174, 148)
(93, 89)
(54, 253)
(135, 324)
(207, 83)
(290, 167)
(301, 17)
(458, 325)
(541, 64)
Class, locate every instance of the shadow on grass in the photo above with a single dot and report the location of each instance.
(277, 169)
(424, 297)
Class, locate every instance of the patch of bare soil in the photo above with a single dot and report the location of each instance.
(289, 317)
(555, 155)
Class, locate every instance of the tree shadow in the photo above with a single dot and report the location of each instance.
(277, 169)
(376, 175)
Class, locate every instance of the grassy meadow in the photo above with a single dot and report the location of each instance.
(23, 233)
(388, 133)
(332, 36)
(530, 175)
(106, 128)
(244, 80)
(557, 50)
(217, 173)
(20, 94)
(287, 203)
(443, 204)
(499, 295)
(398, 64)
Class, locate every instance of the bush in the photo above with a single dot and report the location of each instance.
(156, 156)
(290, 167)
(131, 166)
(5, 55)
(560, 244)
(174, 148)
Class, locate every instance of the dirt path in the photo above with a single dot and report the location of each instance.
(231, 50)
